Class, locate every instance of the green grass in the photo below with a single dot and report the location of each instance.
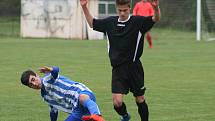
(179, 76)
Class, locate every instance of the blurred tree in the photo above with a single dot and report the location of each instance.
(10, 7)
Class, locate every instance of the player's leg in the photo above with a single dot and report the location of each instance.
(88, 101)
(118, 103)
(119, 88)
(138, 89)
(120, 107)
(142, 108)
(73, 117)
(149, 39)
(78, 113)
(89, 107)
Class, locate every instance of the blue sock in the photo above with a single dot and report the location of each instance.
(91, 106)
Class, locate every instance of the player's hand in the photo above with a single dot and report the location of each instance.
(83, 2)
(93, 117)
(155, 3)
(45, 69)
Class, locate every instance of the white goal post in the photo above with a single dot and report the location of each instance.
(198, 21)
(205, 20)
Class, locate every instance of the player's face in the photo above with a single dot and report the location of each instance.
(35, 82)
(123, 12)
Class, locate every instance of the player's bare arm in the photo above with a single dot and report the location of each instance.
(87, 14)
(157, 14)
(45, 69)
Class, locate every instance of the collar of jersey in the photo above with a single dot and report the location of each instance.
(43, 86)
(124, 20)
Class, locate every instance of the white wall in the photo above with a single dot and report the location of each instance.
(57, 18)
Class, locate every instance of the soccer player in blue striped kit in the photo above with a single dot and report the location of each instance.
(63, 94)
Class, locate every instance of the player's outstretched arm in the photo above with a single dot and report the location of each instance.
(53, 70)
(45, 69)
(87, 14)
(157, 14)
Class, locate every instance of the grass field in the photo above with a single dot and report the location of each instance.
(179, 76)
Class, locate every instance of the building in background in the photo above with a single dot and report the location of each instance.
(57, 18)
(46, 22)
(108, 8)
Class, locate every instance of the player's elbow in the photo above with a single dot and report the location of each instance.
(90, 22)
(91, 25)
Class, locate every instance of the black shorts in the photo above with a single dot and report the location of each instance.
(128, 77)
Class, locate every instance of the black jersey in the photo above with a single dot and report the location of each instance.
(125, 38)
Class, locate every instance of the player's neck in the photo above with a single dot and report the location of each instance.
(125, 20)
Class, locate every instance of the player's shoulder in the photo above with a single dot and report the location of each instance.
(140, 18)
(149, 4)
(138, 4)
(109, 18)
(137, 17)
(112, 17)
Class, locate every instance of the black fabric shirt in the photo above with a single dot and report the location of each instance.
(125, 38)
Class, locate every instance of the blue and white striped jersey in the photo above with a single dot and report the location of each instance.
(60, 92)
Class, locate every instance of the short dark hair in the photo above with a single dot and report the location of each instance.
(26, 75)
(123, 2)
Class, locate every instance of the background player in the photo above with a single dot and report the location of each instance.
(144, 8)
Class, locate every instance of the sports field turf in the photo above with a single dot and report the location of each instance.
(179, 76)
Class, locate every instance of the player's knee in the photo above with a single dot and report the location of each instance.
(140, 99)
(83, 97)
(117, 102)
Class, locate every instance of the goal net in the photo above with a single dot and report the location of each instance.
(208, 20)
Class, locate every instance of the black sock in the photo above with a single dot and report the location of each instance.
(143, 111)
(121, 110)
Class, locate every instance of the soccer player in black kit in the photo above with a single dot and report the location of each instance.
(125, 46)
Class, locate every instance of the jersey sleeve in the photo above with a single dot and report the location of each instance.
(100, 25)
(147, 24)
(55, 72)
(52, 76)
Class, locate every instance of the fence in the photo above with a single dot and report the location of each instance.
(9, 17)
